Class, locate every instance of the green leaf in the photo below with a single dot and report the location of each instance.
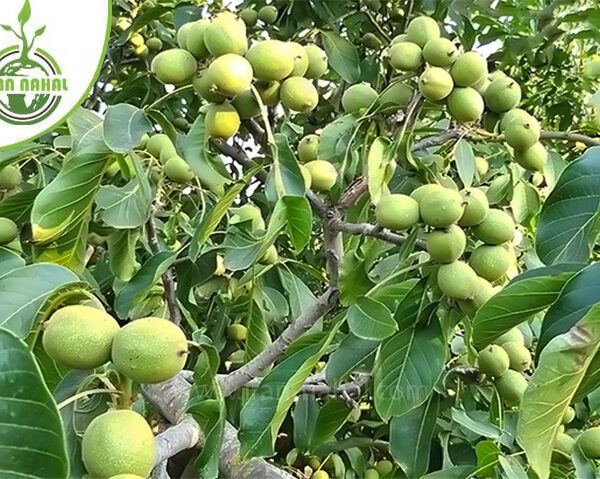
(264, 413)
(286, 171)
(343, 57)
(487, 458)
(69, 250)
(121, 253)
(258, 333)
(25, 13)
(411, 435)
(370, 319)
(580, 293)
(9, 261)
(477, 422)
(455, 472)
(299, 294)
(305, 417)
(332, 416)
(524, 296)
(23, 291)
(354, 280)
(18, 207)
(126, 207)
(525, 202)
(378, 170)
(352, 355)
(205, 164)
(147, 276)
(32, 444)
(67, 201)
(465, 162)
(511, 468)
(407, 367)
(299, 220)
(124, 127)
(87, 131)
(335, 138)
(207, 406)
(210, 222)
(568, 226)
(561, 368)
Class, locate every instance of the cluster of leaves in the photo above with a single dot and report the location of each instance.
(97, 219)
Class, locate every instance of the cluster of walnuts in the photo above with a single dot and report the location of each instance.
(118, 444)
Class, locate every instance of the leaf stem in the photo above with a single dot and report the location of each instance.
(89, 392)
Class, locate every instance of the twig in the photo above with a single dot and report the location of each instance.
(238, 378)
(366, 229)
(168, 279)
(566, 136)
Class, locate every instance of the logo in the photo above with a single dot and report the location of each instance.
(31, 83)
(51, 52)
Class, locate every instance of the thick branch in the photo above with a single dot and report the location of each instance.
(169, 399)
(168, 280)
(238, 378)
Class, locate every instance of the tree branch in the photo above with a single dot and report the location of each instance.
(168, 279)
(566, 136)
(366, 229)
(169, 399)
(240, 377)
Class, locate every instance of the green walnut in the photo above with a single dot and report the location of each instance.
(299, 94)
(175, 66)
(397, 212)
(149, 350)
(493, 361)
(268, 14)
(491, 261)
(237, 332)
(446, 245)
(421, 30)
(468, 69)
(226, 33)
(394, 98)
(442, 208)
(533, 158)
(358, 97)
(476, 207)
(300, 59)
(230, 74)
(249, 16)
(568, 415)
(440, 52)
(513, 334)
(323, 175)
(563, 447)
(118, 442)
(10, 177)
(246, 105)
(497, 228)
(8, 230)
(502, 95)
(308, 148)
(522, 133)
(178, 170)
(589, 442)
(465, 104)
(248, 212)
(406, 56)
(384, 467)
(511, 386)
(271, 60)
(424, 191)
(435, 84)
(194, 41)
(221, 121)
(519, 355)
(457, 280)
(317, 62)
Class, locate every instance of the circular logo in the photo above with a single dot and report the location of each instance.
(31, 86)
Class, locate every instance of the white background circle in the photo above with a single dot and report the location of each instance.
(75, 36)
